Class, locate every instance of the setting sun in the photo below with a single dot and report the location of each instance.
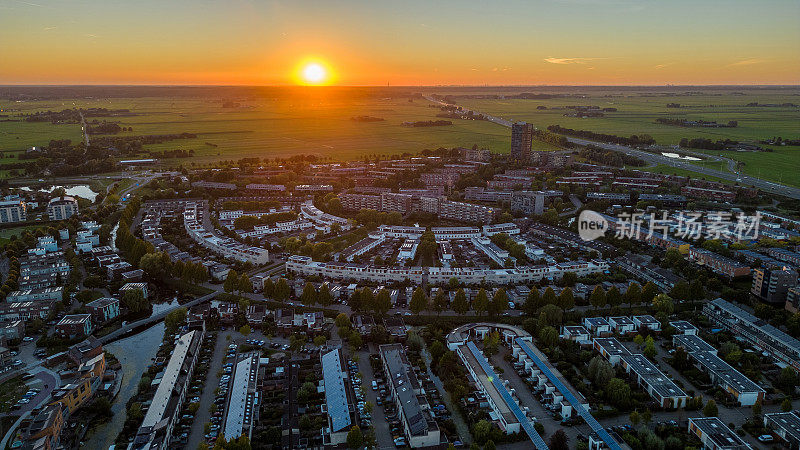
(313, 73)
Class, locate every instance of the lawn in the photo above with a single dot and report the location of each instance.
(669, 170)
(637, 111)
(6, 233)
(10, 391)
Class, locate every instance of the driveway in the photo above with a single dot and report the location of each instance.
(196, 433)
(383, 432)
(526, 398)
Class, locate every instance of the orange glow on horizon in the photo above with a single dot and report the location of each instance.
(313, 72)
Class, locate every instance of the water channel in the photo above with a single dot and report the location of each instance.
(135, 353)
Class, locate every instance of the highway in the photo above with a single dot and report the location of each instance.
(655, 158)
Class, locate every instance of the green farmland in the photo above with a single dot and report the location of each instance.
(637, 113)
(270, 128)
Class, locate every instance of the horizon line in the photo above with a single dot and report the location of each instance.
(396, 86)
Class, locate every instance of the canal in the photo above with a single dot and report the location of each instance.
(135, 353)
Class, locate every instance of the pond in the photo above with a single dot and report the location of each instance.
(81, 190)
(677, 156)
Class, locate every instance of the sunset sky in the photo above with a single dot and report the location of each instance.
(410, 42)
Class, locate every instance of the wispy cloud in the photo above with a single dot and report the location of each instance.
(747, 62)
(569, 60)
(49, 28)
(92, 36)
(21, 2)
(661, 66)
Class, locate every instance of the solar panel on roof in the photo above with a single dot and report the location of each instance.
(335, 395)
(590, 420)
(495, 380)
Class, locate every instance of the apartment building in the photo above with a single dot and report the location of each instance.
(486, 195)
(62, 208)
(162, 415)
(772, 284)
(25, 310)
(12, 211)
(339, 401)
(715, 435)
(786, 425)
(708, 194)
(743, 389)
(74, 326)
(241, 407)
(465, 212)
(718, 264)
(357, 202)
(757, 332)
(419, 426)
(52, 294)
(103, 309)
(648, 376)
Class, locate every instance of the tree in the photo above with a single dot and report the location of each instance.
(309, 296)
(711, 410)
(566, 300)
(618, 392)
(419, 300)
(598, 297)
(757, 410)
(491, 342)
(786, 405)
(320, 340)
(460, 304)
(549, 297)
(453, 282)
(324, 296)
(231, 281)
(489, 445)
(481, 302)
(633, 293)
(649, 291)
(174, 319)
(680, 290)
(663, 304)
(569, 279)
(439, 302)
(245, 330)
(383, 302)
(650, 347)
(354, 437)
(482, 431)
(559, 441)
(134, 301)
(613, 297)
(696, 290)
(154, 265)
(532, 302)
(548, 336)
(552, 314)
(787, 380)
(342, 320)
(356, 341)
(282, 290)
(634, 417)
(600, 371)
(245, 285)
(269, 288)
(499, 302)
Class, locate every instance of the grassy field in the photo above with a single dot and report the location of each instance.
(267, 124)
(636, 114)
(282, 127)
(6, 233)
(680, 172)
